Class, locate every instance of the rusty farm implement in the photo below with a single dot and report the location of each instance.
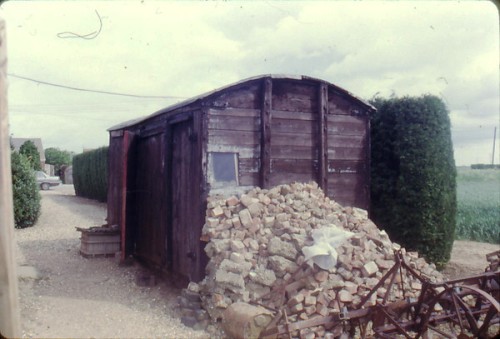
(460, 308)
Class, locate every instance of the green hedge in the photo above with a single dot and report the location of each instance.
(484, 166)
(413, 178)
(90, 174)
(26, 195)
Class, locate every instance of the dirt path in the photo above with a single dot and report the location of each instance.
(67, 295)
(468, 258)
(63, 294)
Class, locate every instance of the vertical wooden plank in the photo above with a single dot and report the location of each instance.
(201, 164)
(123, 189)
(10, 325)
(265, 138)
(203, 145)
(322, 135)
(368, 165)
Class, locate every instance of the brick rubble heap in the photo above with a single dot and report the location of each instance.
(255, 247)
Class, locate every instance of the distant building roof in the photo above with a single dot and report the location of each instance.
(18, 142)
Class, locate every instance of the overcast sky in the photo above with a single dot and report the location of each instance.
(177, 50)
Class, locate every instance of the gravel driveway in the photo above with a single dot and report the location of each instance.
(63, 294)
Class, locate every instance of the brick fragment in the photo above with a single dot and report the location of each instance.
(322, 310)
(310, 310)
(246, 200)
(237, 245)
(232, 201)
(236, 221)
(245, 217)
(281, 248)
(309, 300)
(296, 299)
(297, 308)
(344, 296)
(216, 211)
(321, 276)
(370, 269)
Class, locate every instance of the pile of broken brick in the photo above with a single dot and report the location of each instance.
(256, 244)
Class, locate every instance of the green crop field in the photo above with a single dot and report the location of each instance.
(478, 203)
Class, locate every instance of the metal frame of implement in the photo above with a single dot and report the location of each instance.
(460, 308)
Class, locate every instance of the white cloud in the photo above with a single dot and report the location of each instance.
(449, 49)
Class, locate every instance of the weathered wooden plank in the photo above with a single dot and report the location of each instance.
(339, 104)
(10, 325)
(249, 165)
(242, 150)
(346, 125)
(204, 149)
(295, 97)
(294, 152)
(149, 188)
(287, 178)
(293, 115)
(123, 156)
(243, 97)
(265, 134)
(348, 166)
(350, 196)
(346, 119)
(293, 126)
(114, 179)
(336, 140)
(348, 180)
(347, 153)
(322, 137)
(286, 140)
(221, 137)
(235, 112)
(234, 123)
(294, 166)
(249, 179)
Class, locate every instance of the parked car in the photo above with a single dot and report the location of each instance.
(46, 181)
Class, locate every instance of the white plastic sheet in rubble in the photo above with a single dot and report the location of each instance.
(323, 252)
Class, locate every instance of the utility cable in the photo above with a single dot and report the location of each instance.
(92, 90)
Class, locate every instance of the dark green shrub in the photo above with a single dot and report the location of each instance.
(90, 174)
(413, 178)
(29, 150)
(484, 166)
(26, 196)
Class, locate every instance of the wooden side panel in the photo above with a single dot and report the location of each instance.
(341, 104)
(185, 195)
(247, 96)
(346, 125)
(294, 96)
(148, 194)
(115, 168)
(322, 137)
(294, 147)
(348, 157)
(237, 131)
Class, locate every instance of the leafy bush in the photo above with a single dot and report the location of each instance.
(58, 158)
(29, 150)
(413, 178)
(90, 174)
(26, 195)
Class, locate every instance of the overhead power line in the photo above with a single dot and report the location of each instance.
(93, 90)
